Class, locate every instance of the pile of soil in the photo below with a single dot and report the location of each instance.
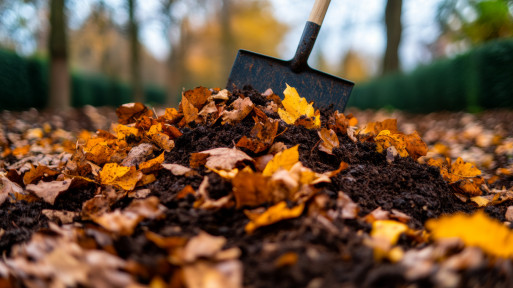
(331, 254)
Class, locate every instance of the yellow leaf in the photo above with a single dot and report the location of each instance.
(124, 177)
(474, 230)
(285, 160)
(152, 164)
(123, 131)
(274, 214)
(388, 230)
(296, 106)
(386, 139)
(463, 169)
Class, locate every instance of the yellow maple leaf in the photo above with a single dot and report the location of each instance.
(474, 230)
(284, 159)
(462, 176)
(274, 214)
(296, 106)
(152, 164)
(121, 176)
(386, 139)
(123, 131)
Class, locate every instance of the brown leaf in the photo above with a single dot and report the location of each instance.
(177, 169)
(203, 245)
(7, 188)
(152, 164)
(138, 154)
(262, 136)
(203, 274)
(129, 113)
(329, 140)
(251, 189)
(197, 97)
(274, 214)
(222, 158)
(238, 110)
(509, 214)
(37, 173)
(49, 191)
(190, 113)
(346, 208)
(64, 217)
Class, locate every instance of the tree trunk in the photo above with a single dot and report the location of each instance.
(178, 73)
(135, 59)
(227, 41)
(394, 31)
(59, 93)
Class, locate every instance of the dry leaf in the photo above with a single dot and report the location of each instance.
(287, 259)
(262, 136)
(123, 177)
(129, 113)
(49, 191)
(406, 145)
(274, 214)
(220, 158)
(462, 176)
(203, 245)
(385, 234)
(8, 188)
(374, 128)
(329, 140)
(251, 189)
(509, 214)
(340, 122)
(282, 160)
(346, 208)
(138, 154)
(190, 113)
(123, 132)
(64, 217)
(198, 96)
(177, 169)
(37, 173)
(237, 111)
(152, 165)
(296, 107)
(203, 274)
(474, 230)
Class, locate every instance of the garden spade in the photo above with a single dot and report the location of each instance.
(263, 72)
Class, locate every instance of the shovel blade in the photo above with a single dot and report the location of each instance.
(263, 72)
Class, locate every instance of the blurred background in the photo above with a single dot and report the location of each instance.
(418, 56)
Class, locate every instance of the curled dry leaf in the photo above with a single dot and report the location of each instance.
(49, 191)
(374, 128)
(274, 214)
(406, 145)
(8, 189)
(190, 113)
(152, 164)
(346, 208)
(341, 123)
(237, 111)
(262, 136)
(64, 217)
(329, 140)
(37, 173)
(474, 230)
(123, 177)
(130, 112)
(124, 132)
(203, 245)
(198, 96)
(464, 177)
(220, 158)
(138, 154)
(297, 108)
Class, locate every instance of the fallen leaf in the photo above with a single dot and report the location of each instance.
(374, 128)
(124, 132)
(385, 234)
(203, 245)
(8, 189)
(221, 158)
(172, 115)
(129, 113)
(64, 217)
(123, 177)
(49, 191)
(37, 173)
(464, 177)
(139, 194)
(187, 190)
(295, 107)
(282, 160)
(152, 164)
(477, 230)
(98, 150)
(209, 113)
(262, 136)
(190, 113)
(509, 214)
(329, 140)
(274, 214)
(340, 122)
(286, 259)
(346, 208)
(203, 274)
(177, 169)
(198, 96)
(251, 189)
(138, 154)
(237, 111)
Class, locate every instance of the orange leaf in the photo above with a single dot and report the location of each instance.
(152, 164)
(190, 113)
(373, 128)
(129, 113)
(282, 160)
(329, 140)
(262, 136)
(274, 214)
(251, 189)
(37, 173)
(123, 177)
(97, 150)
(197, 97)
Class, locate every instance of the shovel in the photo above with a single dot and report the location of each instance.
(263, 72)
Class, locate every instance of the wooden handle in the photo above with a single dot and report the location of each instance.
(318, 11)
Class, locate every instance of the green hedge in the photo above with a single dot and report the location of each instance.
(479, 79)
(24, 84)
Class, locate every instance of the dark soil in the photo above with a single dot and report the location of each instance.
(327, 258)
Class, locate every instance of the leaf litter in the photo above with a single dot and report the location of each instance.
(244, 189)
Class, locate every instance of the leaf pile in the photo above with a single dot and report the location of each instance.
(239, 188)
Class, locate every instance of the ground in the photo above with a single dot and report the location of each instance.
(146, 201)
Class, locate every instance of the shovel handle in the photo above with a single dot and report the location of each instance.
(312, 27)
(318, 11)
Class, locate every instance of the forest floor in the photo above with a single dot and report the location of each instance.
(222, 192)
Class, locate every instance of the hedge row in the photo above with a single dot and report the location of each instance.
(24, 84)
(480, 79)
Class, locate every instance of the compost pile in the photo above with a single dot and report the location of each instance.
(245, 189)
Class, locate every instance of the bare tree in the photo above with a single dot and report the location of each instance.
(394, 30)
(59, 94)
(135, 59)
